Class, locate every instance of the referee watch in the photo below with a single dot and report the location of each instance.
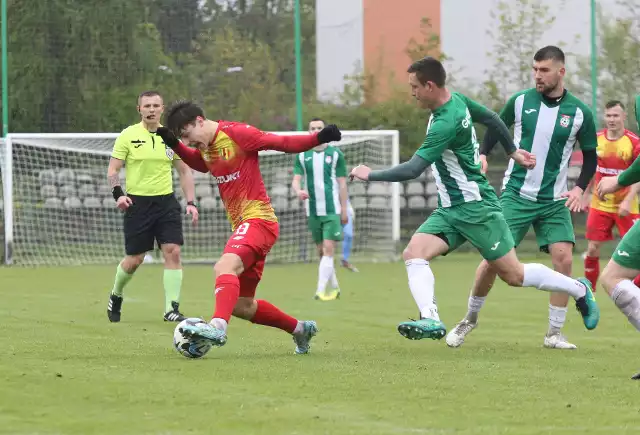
(192, 203)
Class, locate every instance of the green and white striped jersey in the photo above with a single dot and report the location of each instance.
(452, 149)
(320, 171)
(549, 129)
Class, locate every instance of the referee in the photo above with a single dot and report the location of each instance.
(151, 211)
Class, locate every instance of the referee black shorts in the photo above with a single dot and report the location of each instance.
(152, 218)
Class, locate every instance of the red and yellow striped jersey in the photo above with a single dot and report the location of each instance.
(613, 158)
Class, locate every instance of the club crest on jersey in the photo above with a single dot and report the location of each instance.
(565, 120)
(327, 159)
(170, 153)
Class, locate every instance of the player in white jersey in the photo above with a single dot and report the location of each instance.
(548, 121)
(324, 172)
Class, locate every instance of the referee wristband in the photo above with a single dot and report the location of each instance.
(192, 203)
(117, 192)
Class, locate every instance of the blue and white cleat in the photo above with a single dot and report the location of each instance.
(587, 306)
(309, 330)
(204, 331)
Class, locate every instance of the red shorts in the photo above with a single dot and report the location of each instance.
(252, 241)
(600, 224)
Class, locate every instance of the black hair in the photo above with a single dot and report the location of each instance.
(613, 103)
(429, 69)
(550, 52)
(181, 114)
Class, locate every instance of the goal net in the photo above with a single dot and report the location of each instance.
(58, 208)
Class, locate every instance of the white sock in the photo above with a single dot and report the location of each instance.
(474, 306)
(626, 297)
(557, 317)
(334, 280)
(422, 283)
(325, 271)
(541, 277)
(219, 324)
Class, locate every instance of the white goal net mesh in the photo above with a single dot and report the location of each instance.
(62, 211)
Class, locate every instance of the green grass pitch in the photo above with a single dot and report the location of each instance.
(64, 369)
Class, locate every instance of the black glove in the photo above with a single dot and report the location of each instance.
(330, 133)
(168, 137)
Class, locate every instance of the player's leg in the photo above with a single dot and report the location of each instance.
(624, 224)
(262, 312)
(519, 219)
(518, 274)
(433, 238)
(599, 230)
(168, 232)
(331, 234)
(138, 240)
(617, 276)
(315, 228)
(555, 235)
(347, 241)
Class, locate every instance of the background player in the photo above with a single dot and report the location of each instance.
(625, 263)
(151, 211)
(229, 150)
(548, 121)
(468, 208)
(315, 125)
(617, 149)
(323, 171)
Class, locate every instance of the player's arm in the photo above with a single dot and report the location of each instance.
(497, 126)
(296, 183)
(186, 180)
(588, 139)
(438, 137)
(190, 156)
(341, 176)
(116, 163)
(250, 138)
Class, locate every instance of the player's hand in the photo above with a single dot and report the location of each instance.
(344, 217)
(124, 202)
(586, 202)
(193, 211)
(361, 172)
(607, 185)
(330, 133)
(484, 165)
(302, 195)
(524, 158)
(624, 209)
(168, 137)
(574, 199)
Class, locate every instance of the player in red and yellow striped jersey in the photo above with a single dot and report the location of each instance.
(229, 151)
(617, 149)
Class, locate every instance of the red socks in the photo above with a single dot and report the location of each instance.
(227, 293)
(269, 315)
(592, 270)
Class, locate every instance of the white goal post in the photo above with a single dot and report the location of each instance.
(58, 208)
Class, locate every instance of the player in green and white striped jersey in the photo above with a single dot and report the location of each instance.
(548, 121)
(468, 206)
(324, 172)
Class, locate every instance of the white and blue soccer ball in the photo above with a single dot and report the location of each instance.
(190, 347)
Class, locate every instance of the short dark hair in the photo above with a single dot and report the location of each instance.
(317, 119)
(181, 114)
(429, 69)
(550, 52)
(613, 103)
(148, 94)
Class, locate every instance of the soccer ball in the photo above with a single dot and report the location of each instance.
(190, 348)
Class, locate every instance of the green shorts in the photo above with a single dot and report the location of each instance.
(551, 221)
(325, 228)
(479, 222)
(627, 253)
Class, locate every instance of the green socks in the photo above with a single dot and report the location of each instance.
(172, 283)
(122, 278)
